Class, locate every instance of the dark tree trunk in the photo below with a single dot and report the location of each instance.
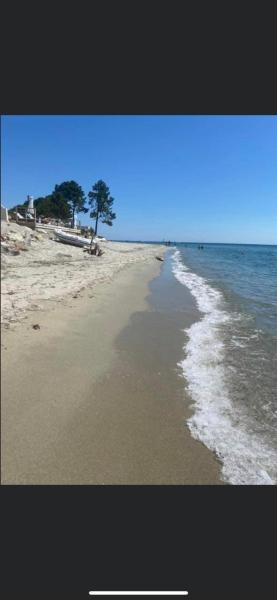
(73, 215)
(96, 223)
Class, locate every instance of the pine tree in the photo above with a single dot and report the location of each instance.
(74, 195)
(101, 203)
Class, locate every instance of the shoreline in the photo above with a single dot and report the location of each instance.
(91, 398)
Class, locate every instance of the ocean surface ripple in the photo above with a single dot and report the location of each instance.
(229, 372)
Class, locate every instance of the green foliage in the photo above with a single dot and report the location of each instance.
(54, 206)
(101, 203)
(73, 195)
(68, 199)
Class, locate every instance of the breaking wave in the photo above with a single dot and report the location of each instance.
(247, 458)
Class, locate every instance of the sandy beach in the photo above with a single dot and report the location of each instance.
(36, 269)
(93, 396)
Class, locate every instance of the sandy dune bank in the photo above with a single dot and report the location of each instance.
(35, 268)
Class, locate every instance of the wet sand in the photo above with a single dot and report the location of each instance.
(95, 397)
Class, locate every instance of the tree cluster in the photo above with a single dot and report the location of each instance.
(68, 199)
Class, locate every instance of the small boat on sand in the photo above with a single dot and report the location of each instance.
(74, 240)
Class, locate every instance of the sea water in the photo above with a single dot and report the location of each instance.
(230, 355)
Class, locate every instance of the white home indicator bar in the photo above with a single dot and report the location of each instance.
(183, 593)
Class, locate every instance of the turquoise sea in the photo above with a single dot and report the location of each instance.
(230, 355)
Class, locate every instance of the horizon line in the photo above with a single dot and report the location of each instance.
(198, 242)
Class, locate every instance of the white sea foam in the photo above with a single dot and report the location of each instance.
(246, 458)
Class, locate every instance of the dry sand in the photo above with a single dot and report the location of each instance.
(45, 269)
(91, 397)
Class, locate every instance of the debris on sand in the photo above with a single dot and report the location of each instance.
(47, 273)
(94, 250)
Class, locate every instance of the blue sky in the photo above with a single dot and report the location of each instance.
(184, 178)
